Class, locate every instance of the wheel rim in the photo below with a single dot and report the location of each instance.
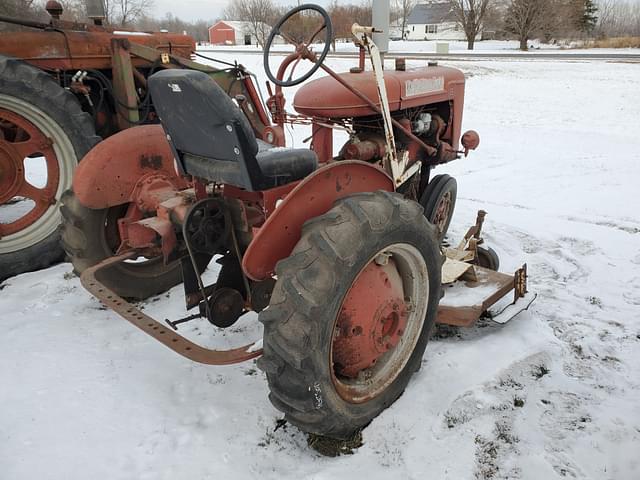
(372, 341)
(27, 132)
(443, 211)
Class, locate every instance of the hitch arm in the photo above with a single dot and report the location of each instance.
(157, 330)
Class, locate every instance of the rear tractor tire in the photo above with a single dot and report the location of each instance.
(90, 236)
(351, 313)
(439, 202)
(43, 135)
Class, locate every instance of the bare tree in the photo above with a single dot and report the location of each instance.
(23, 9)
(344, 15)
(126, 12)
(470, 14)
(526, 17)
(618, 18)
(403, 9)
(259, 13)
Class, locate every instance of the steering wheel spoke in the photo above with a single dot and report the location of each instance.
(315, 34)
(287, 38)
(293, 67)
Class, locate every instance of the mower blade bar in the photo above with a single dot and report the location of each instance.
(513, 309)
(152, 327)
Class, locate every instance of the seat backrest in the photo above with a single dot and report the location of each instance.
(196, 113)
(210, 136)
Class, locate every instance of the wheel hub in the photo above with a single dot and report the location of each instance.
(372, 320)
(21, 139)
(443, 212)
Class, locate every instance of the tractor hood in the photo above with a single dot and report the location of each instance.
(326, 97)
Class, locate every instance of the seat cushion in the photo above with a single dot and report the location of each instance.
(286, 164)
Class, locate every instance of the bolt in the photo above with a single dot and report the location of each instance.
(229, 128)
(382, 258)
(236, 150)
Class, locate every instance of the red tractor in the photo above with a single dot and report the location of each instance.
(63, 87)
(336, 254)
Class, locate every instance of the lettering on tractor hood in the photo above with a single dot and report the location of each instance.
(420, 86)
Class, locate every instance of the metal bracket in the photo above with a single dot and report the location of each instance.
(156, 329)
(395, 167)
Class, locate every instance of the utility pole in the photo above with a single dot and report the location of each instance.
(380, 21)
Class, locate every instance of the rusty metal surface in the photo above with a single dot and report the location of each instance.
(20, 139)
(69, 50)
(491, 285)
(311, 198)
(124, 88)
(155, 329)
(366, 329)
(325, 98)
(108, 174)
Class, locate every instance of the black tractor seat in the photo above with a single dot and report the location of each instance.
(212, 139)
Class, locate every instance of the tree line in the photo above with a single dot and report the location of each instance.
(524, 20)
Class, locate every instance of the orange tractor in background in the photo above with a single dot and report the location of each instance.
(341, 256)
(64, 86)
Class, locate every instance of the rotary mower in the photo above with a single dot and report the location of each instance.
(340, 255)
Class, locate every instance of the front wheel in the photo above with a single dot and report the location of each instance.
(439, 201)
(351, 313)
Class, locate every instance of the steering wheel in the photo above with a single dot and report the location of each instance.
(302, 47)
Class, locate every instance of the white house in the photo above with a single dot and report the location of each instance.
(434, 21)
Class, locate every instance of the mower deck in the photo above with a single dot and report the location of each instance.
(465, 300)
(157, 330)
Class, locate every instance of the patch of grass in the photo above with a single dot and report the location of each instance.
(611, 359)
(510, 382)
(486, 458)
(453, 420)
(539, 371)
(518, 402)
(270, 436)
(618, 42)
(503, 433)
(333, 447)
(442, 331)
(69, 275)
(595, 301)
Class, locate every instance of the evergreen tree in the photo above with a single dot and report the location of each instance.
(585, 15)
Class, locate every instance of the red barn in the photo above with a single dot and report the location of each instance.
(228, 32)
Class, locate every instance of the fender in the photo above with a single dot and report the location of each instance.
(313, 196)
(108, 174)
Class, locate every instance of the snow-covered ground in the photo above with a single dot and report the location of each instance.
(555, 393)
(429, 46)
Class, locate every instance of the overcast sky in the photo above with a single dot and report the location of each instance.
(205, 9)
